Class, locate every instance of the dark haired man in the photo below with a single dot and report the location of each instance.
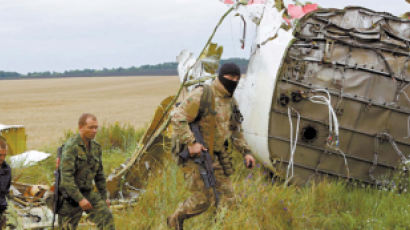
(81, 164)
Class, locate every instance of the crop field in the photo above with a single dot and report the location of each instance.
(124, 105)
(48, 107)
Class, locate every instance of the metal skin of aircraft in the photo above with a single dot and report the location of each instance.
(329, 97)
(325, 94)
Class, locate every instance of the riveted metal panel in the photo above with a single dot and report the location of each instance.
(361, 58)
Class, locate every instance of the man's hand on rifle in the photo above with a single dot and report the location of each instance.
(85, 204)
(195, 149)
(249, 161)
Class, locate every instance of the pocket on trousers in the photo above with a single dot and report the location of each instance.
(67, 208)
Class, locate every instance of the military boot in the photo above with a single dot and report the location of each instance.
(176, 221)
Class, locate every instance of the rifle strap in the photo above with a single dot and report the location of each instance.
(59, 155)
(207, 107)
(212, 127)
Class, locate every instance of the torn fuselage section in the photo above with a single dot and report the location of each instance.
(347, 74)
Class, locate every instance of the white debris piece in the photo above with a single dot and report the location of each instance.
(3, 127)
(253, 12)
(37, 218)
(14, 191)
(267, 52)
(28, 158)
(187, 62)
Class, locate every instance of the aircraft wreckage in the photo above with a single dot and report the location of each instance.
(325, 94)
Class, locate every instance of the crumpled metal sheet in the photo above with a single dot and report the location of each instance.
(255, 89)
(362, 58)
(127, 180)
(203, 69)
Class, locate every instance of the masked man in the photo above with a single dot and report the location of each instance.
(219, 127)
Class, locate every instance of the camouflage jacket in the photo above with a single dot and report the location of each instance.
(225, 128)
(80, 167)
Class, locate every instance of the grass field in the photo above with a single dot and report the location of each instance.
(259, 204)
(47, 107)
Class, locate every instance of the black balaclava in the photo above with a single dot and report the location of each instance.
(231, 69)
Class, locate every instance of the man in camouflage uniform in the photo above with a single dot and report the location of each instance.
(5, 181)
(81, 164)
(225, 128)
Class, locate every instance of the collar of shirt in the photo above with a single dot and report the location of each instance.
(79, 141)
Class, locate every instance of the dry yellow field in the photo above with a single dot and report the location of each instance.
(48, 107)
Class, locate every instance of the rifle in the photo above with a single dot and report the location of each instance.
(204, 161)
(57, 198)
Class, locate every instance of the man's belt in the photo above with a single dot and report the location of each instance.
(71, 201)
(85, 190)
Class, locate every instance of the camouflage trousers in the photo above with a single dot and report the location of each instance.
(3, 220)
(70, 214)
(201, 197)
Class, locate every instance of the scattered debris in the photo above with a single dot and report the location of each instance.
(28, 158)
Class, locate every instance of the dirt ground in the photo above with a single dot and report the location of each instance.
(48, 107)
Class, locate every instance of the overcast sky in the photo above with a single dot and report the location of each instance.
(58, 35)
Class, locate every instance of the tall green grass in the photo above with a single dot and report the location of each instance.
(114, 136)
(259, 203)
(117, 141)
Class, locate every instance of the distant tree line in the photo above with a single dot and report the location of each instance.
(4, 74)
(164, 69)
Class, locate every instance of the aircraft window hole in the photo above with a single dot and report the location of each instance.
(296, 96)
(309, 133)
(283, 100)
